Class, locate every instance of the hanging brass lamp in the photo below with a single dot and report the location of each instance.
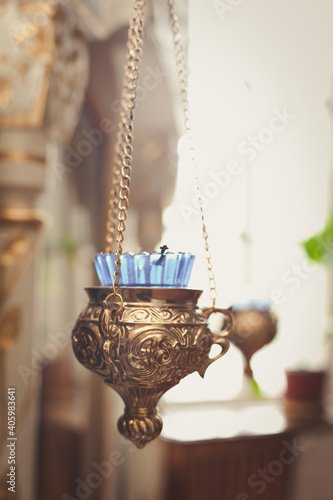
(142, 330)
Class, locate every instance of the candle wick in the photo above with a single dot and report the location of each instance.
(164, 248)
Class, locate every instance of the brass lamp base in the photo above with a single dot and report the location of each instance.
(159, 337)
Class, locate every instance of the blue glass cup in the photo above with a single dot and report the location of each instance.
(156, 269)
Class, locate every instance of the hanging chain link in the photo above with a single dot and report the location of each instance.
(121, 171)
(183, 87)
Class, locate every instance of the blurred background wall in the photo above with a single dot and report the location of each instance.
(261, 101)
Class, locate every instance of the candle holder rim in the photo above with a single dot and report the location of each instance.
(144, 254)
(146, 294)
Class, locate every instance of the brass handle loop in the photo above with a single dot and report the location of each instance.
(112, 307)
(208, 311)
(114, 302)
(218, 338)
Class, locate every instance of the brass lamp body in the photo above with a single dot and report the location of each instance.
(159, 337)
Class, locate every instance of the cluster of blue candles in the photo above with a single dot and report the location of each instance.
(156, 269)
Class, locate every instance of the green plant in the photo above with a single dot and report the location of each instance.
(319, 247)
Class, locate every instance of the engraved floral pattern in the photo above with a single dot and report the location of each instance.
(162, 315)
(87, 347)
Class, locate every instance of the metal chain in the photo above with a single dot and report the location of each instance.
(183, 87)
(134, 45)
(117, 213)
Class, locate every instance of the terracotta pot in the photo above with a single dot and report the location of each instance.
(303, 397)
(305, 385)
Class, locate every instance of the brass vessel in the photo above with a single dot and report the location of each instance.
(159, 337)
(252, 330)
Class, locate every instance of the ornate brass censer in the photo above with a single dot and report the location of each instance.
(144, 332)
(159, 337)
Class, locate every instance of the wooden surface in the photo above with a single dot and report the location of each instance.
(229, 469)
(214, 459)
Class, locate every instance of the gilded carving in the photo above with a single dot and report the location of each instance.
(69, 79)
(6, 93)
(44, 68)
(17, 248)
(26, 54)
(9, 328)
